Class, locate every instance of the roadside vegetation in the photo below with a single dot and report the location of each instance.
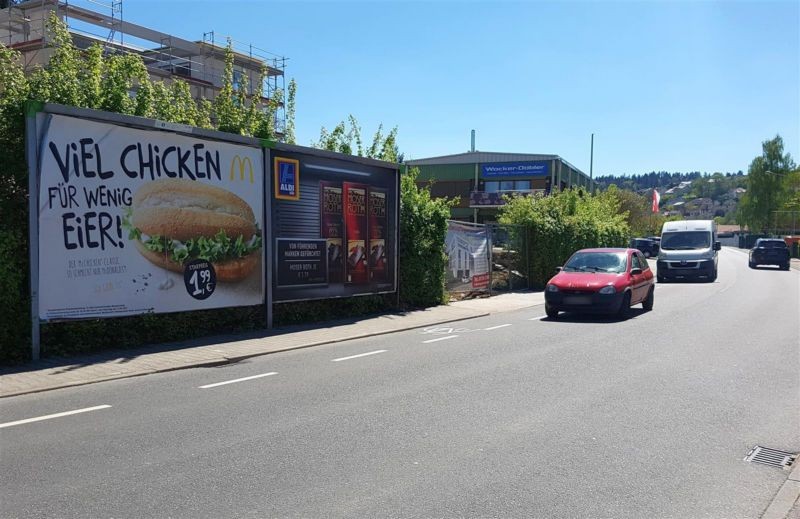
(557, 225)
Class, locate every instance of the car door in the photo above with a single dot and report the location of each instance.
(647, 272)
(638, 281)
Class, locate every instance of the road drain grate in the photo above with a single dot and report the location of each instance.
(771, 457)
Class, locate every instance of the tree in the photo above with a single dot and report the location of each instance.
(638, 212)
(346, 138)
(767, 188)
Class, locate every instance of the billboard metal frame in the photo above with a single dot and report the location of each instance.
(278, 147)
(35, 111)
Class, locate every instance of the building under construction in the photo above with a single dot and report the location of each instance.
(201, 63)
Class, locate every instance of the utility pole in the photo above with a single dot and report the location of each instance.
(591, 164)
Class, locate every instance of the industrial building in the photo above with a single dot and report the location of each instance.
(481, 179)
(199, 63)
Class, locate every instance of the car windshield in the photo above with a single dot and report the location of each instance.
(597, 262)
(686, 240)
(771, 244)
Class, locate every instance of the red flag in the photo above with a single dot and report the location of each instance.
(656, 200)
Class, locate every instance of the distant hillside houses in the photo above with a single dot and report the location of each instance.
(701, 208)
(683, 186)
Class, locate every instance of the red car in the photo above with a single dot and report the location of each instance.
(601, 281)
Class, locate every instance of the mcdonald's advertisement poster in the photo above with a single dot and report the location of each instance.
(138, 221)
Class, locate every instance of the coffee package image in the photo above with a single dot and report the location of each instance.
(377, 234)
(355, 224)
(331, 228)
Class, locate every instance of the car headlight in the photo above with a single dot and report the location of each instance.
(608, 290)
(552, 288)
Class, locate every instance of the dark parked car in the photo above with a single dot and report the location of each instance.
(601, 281)
(768, 251)
(646, 246)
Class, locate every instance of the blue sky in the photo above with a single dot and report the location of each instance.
(676, 86)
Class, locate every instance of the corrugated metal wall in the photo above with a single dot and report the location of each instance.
(300, 218)
(447, 172)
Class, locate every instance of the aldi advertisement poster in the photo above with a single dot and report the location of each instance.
(134, 221)
(338, 237)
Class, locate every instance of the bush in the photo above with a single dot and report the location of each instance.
(558, 225)
(423, 229)
(14, 300)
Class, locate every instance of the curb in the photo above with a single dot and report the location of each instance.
(223, 360)
(786, 497)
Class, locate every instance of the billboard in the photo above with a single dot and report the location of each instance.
(468, 257)
(535, 168)
(133, 221)
(338, 236)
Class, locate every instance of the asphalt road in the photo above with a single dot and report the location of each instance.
(515, 416)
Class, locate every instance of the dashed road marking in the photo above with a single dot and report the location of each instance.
(496, 327)
(359, 355)
(237, 380)
(56, 415)
(440, 339)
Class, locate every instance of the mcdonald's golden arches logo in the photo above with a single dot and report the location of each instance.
(243, 165)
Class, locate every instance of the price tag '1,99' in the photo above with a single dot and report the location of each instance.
(200, 278)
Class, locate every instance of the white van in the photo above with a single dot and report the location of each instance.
(688, 251)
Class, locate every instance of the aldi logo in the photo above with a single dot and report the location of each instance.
(287, 179)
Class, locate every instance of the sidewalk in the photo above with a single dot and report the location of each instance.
(87, 369)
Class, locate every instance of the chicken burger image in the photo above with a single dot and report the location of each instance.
(173, 221)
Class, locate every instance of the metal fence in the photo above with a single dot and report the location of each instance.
(510, 257)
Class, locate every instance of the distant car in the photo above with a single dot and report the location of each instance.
(601, 281)
(646, 246)
(770, 252)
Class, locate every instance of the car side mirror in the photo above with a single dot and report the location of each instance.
(559, 269)
(717, 245)
(636, 271)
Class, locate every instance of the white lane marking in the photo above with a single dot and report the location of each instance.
(447, 330)
(56, 415)
(537, 318)
(496, 327)
(237, 380)
(440, 339)
(360, 355)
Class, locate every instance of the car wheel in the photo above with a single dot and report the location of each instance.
(787, 266)
(713, 277)
(752, 265)
(625, 307)
(552, 313)
(647, 304)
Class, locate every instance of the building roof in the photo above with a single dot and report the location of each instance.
(472, 157)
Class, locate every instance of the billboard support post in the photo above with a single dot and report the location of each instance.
(401, 170)
(33, 223)
(268, 231)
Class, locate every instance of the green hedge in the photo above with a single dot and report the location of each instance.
(423, 229)
(558, 225)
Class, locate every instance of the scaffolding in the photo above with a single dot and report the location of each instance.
(201, 63)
